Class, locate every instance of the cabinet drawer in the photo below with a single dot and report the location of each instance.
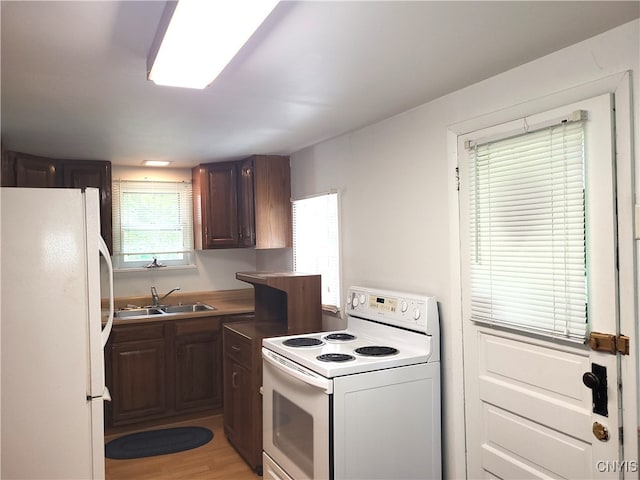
(237, 347)
(197, 325)
(130, 333)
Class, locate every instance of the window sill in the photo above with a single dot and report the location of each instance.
(143, 269)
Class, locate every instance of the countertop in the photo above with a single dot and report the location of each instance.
(226, 302)
(256, 330)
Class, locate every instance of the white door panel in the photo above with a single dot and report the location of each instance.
(514, 383)
(528, 413)
(501, 465)
(529, 365)
(554, 452)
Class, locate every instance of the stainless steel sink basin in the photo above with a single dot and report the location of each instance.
(137, 312)
(196, 307)
(162, 310)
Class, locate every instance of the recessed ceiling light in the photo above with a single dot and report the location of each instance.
(155, 163)
(202, 36)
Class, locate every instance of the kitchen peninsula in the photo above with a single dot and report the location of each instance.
(285, 303)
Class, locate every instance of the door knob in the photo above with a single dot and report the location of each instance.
(600, 432)
(591, 380)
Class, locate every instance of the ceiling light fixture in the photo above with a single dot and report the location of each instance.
(155, 163)
(198, 38)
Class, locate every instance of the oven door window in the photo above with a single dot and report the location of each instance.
(293, 432)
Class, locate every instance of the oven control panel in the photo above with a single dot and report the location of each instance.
(414, 312)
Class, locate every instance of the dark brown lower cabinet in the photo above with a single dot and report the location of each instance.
(161, 369)
(242, 342)
(140, 372)
(198, 360)
(137, 372)
(240, 413)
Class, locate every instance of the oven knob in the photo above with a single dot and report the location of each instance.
(404, 306)
(416, 314)
(355, 301)
(362, 298)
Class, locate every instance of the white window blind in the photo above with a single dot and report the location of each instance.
(152, 220)
(527, 232)
(316, 243)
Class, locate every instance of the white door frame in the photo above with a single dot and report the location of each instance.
(629, 263)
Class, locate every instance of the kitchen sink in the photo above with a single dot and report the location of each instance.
(162, 310)
(137, 312)
(196, 307)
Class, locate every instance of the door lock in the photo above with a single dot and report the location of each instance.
(596, 380)
(600, 431)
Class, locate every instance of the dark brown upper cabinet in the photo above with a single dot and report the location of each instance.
(243, 204)
(93, 173)
(215, 193)
(24, 170)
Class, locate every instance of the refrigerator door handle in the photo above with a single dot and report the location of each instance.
(104, 251)
(106, 395)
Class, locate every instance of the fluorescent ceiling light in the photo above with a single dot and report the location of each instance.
(202, 37)
(156, 163)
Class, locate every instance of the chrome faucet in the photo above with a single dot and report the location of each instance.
(156, 299)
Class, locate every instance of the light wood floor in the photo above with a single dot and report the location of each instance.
(217, 460)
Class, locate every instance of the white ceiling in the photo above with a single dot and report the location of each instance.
(74, 73)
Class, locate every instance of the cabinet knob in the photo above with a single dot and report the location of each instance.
(234, 377)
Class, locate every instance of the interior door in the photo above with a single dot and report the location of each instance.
(529, 413)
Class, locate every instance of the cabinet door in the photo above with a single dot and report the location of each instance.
(30, 171)
(88, 173)
(237, 408)
(198, 371)
(272, 202)
(220, 206)
(139, 380)
(246, 207)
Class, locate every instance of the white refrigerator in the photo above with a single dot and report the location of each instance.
(52, 338)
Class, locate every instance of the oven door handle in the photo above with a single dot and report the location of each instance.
(296, 371)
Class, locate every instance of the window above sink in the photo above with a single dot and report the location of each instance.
(152, 224)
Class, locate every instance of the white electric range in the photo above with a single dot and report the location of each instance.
(357, 403)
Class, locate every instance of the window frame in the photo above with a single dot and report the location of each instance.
(185, 205)
(333, 306)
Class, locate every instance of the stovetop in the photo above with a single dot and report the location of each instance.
(403, 328)
(342, 357)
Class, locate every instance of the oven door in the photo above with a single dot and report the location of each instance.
(296, 429)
